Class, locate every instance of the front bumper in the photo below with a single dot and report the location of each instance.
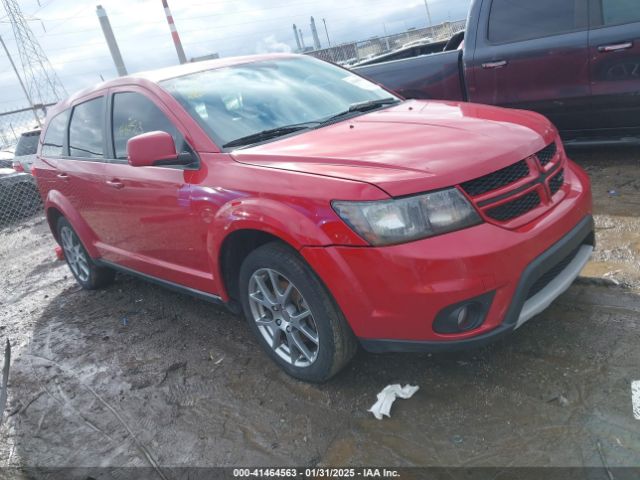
(391, 295)
(577, 244)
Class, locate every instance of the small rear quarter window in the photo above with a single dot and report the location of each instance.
(54, 136)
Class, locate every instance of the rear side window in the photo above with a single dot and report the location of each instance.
(54, 136)
(86, 137)
(28, 144)
(514, 20)
(134, 114)
(617, 12)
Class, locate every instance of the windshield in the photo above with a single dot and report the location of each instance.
(27, 145)
(239, 101)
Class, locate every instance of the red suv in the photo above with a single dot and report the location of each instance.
(327, 209)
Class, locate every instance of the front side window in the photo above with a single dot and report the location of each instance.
(134, 114)
(54, 136)
(515, 20)
(234, 102)
(86, 137)
(616, 12)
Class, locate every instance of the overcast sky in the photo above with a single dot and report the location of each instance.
(70, 34)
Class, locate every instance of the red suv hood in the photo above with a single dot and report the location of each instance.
(412, 147)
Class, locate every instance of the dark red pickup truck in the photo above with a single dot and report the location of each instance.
(575, 61)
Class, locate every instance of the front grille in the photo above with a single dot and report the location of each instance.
(555, 184)
(547, 153)
(515, 208)
(552, 273)
(497, 179)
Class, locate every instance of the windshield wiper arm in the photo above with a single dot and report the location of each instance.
(363, 107)
(267, 134)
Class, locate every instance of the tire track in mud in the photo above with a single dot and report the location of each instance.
(67, 403)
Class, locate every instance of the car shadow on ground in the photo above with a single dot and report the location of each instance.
(135, 375)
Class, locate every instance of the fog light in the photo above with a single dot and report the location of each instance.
(464, 316)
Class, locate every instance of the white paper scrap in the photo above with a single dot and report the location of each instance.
(635, 398)
(388, 395)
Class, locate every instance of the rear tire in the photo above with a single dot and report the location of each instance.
(89, 275)
(292, 314)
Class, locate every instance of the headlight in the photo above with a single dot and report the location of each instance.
(405, 219)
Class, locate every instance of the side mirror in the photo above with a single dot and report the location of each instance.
(151, 148)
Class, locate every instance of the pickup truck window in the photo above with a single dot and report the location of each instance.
(515, 20)
(242, 100)
(616, 12)
(54, 136)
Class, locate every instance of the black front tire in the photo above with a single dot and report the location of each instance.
(337, 343)
(97, 276)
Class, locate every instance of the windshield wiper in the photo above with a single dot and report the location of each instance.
(268, 134)
(362, 107)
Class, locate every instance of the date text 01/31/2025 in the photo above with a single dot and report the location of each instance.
(315, 473)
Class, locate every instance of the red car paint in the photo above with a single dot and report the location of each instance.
(171, 224)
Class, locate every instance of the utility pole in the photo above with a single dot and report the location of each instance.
(24, 89)
(426, 5)
(326, 31)
(174, 33)
(304, 47)
(41, 83)
(330, 48)
(111, 41)
(295, 33)
(386, 36)
(314, 33)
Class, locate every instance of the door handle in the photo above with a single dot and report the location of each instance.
(497, 64)
(115, 183)
(63, 176)
(615, 48)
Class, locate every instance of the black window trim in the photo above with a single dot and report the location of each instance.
(67, 149)
(582, 29)
(111, 142)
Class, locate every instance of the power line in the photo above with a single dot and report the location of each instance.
(40, 80)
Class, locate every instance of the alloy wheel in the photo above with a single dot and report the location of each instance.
(283, 317)
(75, 254)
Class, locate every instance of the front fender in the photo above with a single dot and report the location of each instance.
(296, 225)
(270, 216)
(56, 200)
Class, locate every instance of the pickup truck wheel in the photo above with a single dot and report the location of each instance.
(292, 314)
(89, 275)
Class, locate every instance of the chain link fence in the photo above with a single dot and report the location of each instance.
(15, 122)
(352, 53)
(21, 208)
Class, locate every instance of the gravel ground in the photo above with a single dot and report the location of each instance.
(134, 375)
